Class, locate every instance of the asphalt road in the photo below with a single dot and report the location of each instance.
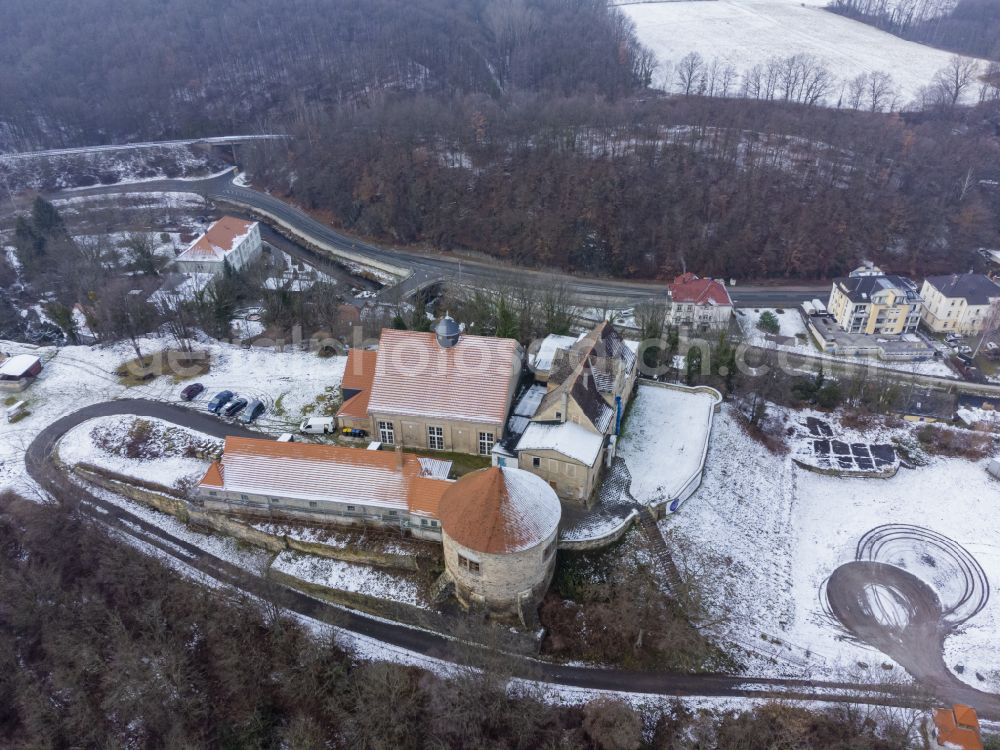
(40, 466)
(426, 268)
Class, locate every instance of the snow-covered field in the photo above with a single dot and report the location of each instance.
(76, 376)
(765, 535)
(745, 33)
(664, 440)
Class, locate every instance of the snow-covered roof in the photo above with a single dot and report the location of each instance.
(307, 471)
(567, 438)
(542, 359)
(500, 510)
(222, 237)
(18, 365)
(470, 381)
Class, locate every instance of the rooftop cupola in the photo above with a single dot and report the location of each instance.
(447, 332)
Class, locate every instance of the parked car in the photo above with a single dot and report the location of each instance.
(219, 400)
(236, 407)
(254, 409)
(317, 426)
(192, 391)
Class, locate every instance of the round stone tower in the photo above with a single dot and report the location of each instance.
(499, 528)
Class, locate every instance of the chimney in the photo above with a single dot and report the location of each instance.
(399, 457)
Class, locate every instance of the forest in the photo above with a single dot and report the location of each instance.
(971, 27)
(102, 645)
(726, 187)
(526, 130)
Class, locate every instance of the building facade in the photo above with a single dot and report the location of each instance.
(443, 391)
(326, 484)
(963, 304)
(228, 240)
(869, 304)
(588, 387)
(697, 303)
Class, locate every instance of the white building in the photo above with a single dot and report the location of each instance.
(960, 303)
(228, 240)
(701, 304)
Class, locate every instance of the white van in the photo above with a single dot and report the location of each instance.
(317, 426)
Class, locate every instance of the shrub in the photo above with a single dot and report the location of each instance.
(612, 725)
(944, 441)
(768, 322)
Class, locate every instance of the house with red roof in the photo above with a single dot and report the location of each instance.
(957, 728)
(697, 303)
(228, 240)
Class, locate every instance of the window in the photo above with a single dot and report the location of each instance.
(435, 438)
(275, 500)
(393, 513)
(351, 508)
(386, 433)
(423, 521)
(485, 443)
(312, 503)
(213, 493)
(434, 524)
(570, 470)
(558, 415)
(244, 497)
(536, 462)
(470, 565)
(473, 566)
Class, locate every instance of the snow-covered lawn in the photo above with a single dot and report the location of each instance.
(164, 462)
(749, 32)
(664, 440)
(765, 535)
(352, 577)
(790, 324)
(77, 376)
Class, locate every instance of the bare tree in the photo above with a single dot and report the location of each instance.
(691, 74)
(124, 312)
(952, 81)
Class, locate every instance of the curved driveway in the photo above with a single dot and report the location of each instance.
(43, 470)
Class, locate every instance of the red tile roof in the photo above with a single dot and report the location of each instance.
(958, 727)
(359, 372)
(690, 288)
(500, 510)
(219, 240)
(471, 381)
(358, 376)
(307, 471)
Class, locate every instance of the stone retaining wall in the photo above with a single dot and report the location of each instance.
(166, 500)
(604, 540)
(832, 472)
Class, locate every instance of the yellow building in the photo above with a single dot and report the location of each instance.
(960, 303)
(872, 304)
